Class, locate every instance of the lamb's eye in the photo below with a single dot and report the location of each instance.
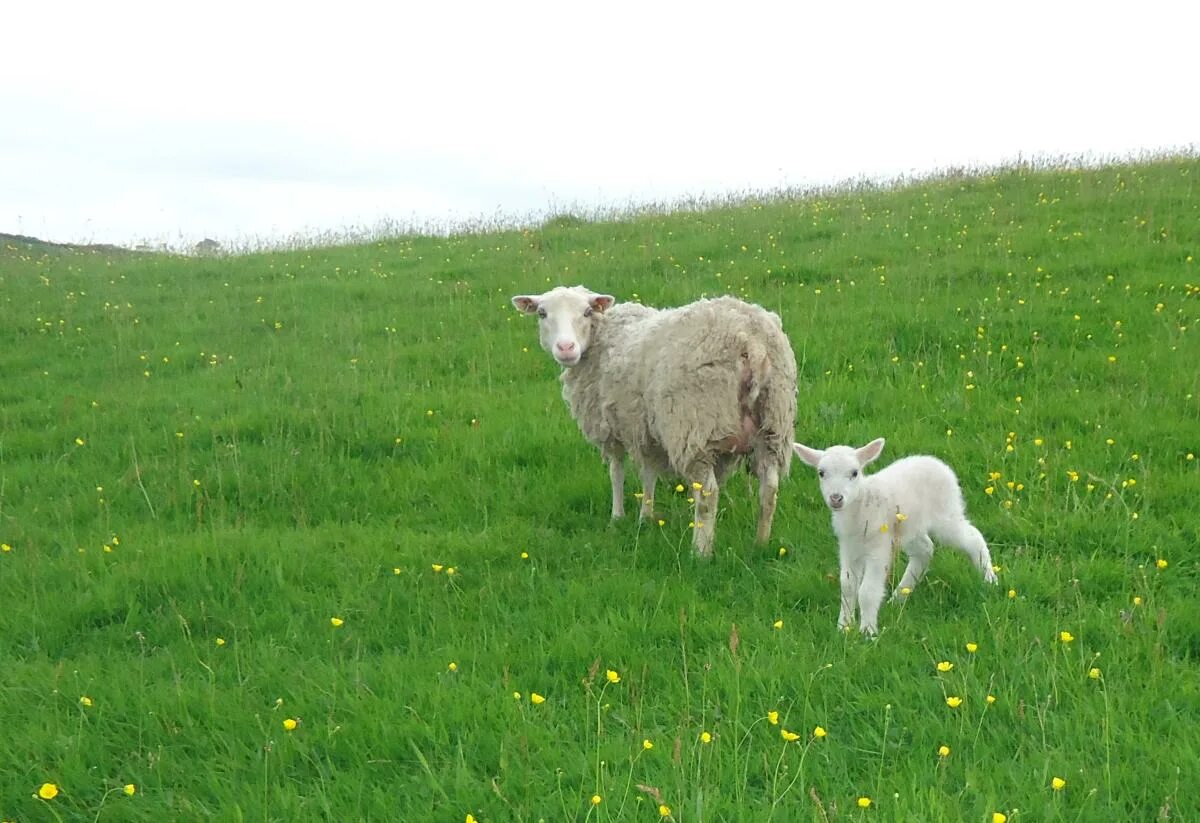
(820, 472)
(854, 474)
(542, 313)
(587, 312)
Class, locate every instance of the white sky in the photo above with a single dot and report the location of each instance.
(254, 121)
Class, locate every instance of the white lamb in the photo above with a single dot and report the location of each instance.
(899, 506)
(689, 391)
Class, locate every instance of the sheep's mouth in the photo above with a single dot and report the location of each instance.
(836, 505)
(567, 361)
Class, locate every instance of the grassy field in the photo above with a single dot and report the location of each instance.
(312, 536)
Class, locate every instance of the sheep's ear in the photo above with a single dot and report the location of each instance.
(870, 451)
(810, 456)
(525, 303)
(602, 302)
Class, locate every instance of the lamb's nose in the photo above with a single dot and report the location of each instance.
(835, 499)
(565, 347)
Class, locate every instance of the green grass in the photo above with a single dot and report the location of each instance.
(203, 461)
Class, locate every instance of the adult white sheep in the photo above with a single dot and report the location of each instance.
(689, 391)
(900, 505)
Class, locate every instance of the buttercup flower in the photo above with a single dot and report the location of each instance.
(943, 751)
(664, 810)
(48, 791)
(864, 802)
(705, 737)
(991, 698)
(453, 666)
(130, 789)
(778, 624)
(612, 676)
(999, 817)
(972, 648)
(1161, 563)
(773, 718)
(945, 666)
(596, 800)
(85, 701)
(788, 736)
(290, 724)
(336, 622)
(819, 732)
(536, 699)
(1094, 673)
(954, 702)
(1066, 637)
(647, 745)
(1058, 784)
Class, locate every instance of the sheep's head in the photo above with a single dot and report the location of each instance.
(566, 319)
(840, 469)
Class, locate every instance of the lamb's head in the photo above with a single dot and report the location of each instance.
(566, 319)
(840, 469)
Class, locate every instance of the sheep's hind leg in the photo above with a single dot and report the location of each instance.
(705, 521)
(919, 551)
(649, 481)
(616, 473)
(768, 493)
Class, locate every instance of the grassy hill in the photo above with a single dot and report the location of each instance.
(206, 464)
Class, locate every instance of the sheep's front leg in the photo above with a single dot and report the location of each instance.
(616, 473)
(768, 493)
(649, 481)
(705, 521)
(873, 586)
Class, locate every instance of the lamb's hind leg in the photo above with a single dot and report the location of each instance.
(919, 551)
(768, 493)
(705, 522)
(965, 537)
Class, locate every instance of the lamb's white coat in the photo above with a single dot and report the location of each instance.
(899, 506)
(691, 391)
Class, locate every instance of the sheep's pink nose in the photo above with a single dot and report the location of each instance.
(565, 347)
(836, 500)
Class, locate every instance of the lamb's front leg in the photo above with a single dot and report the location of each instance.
(850, 562)
(616, 473)
(649, 480)
(873, 586)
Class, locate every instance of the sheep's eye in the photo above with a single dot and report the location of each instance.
(542, 313)
(854, 474)
(820, 472)
(587, 312)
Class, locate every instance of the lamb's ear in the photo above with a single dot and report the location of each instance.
(810, 456)
(870, 451)
(602, 302)
(525, 303)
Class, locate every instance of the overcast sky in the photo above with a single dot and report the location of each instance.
(253, 121)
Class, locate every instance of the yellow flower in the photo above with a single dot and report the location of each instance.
(1012, 594)
(524, 555)
(954, 702)
(290, 724)
(437, 567)
(79, 441)
(1094, 673)
(945, 666)
(661, 523)
(453, 666)
(48, 791)
(943, 751)
(778, 624)
(864, 802)
(972, 648)
(536, 699)
(85, 701)
(906, 591)
(705, 738)
(788, 736)
(819, 732)
(697, 486)
(782, 551)
(130, 789)
(220, 641)
(664, 810)
(470, 818)
(647, 745)
(451, 571)
(679, 487)
(773, 718)
(596, 800)
(336, 622)
(900, 518)
(396, 570)
(516, 695)
(883, 529)
(4, 547)
(990, 490)
(1066, 637)
(991, 698)
(1058, 784)
(1137, 600)
(1161, 563)
(999, 817)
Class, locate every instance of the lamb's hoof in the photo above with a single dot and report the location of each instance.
(989, 576)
